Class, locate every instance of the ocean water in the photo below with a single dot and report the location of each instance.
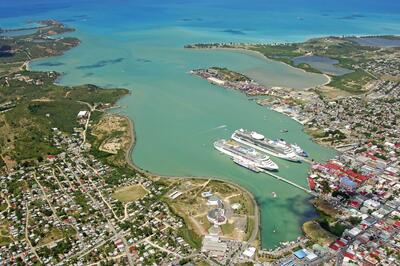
(139, 45)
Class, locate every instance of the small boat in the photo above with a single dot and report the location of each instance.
(284, 130)
(274, 194)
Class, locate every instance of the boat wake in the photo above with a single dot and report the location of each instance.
(214, 128)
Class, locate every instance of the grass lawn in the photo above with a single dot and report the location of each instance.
(3, 206)
(193, 239)
(130, 193)
(56, 234)
(5, 237)
(352, 82)
(246, 202)
(314, 231)
(249, 227)
(53, 235)
(5, 240)
(227, 228)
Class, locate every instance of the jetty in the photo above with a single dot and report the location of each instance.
(291, 183)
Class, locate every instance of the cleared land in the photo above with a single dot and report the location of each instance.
(325, 207)
(130, 193)
(111, 135)
(314, 231)
(193, 208)
(5, 237)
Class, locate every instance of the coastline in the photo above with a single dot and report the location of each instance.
(256, 231)
(262, 56)
(132, 140)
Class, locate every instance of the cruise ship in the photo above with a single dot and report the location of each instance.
(296, 148)
(247, 164)
(245, 156)
(263, 144)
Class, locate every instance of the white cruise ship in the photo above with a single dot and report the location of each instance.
(263, 144)
(245, 156)
(247, 164)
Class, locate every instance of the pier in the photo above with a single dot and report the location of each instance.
(291, 183)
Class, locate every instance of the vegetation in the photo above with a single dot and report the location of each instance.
(345, 50)
(353, 82)
(5, 237)
(230, 75)
(25, 129)
(227, 228)
(193, 239)
(130, 193)
(280, 51)
(318, 234)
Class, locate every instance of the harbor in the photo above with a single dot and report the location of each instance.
(251, 153)
(190, 113)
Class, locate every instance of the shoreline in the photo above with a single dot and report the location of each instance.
(128, 158)
(262, 56)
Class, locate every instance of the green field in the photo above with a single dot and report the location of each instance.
(130, 193)
(5, 237)
(352, 82)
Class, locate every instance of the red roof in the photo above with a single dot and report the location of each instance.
(311, 183)
(334, 247)
(355, 204)
(349, 255)
(397, 223)
(333, 166)
(355, 176)
(340, 243)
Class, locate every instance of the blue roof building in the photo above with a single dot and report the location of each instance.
(300, 254)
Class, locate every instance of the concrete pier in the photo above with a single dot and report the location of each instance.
(291, 183)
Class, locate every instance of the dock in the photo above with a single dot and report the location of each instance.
(291, 183)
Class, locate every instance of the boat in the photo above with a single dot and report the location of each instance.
(274, 194)
(265, 145)
(247, 164)
(296, 148)
(284, 130)
(299, 151)
(245, 155)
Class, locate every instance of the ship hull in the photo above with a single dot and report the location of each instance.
(233, 155)
(270, 152)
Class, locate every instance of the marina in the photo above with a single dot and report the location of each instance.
(256, 161)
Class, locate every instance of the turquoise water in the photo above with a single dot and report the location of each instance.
(138, 45)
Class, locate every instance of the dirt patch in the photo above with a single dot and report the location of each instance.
(325, 207)
(43, 99)
(113, 132)
(332, 93)
(314, 231)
